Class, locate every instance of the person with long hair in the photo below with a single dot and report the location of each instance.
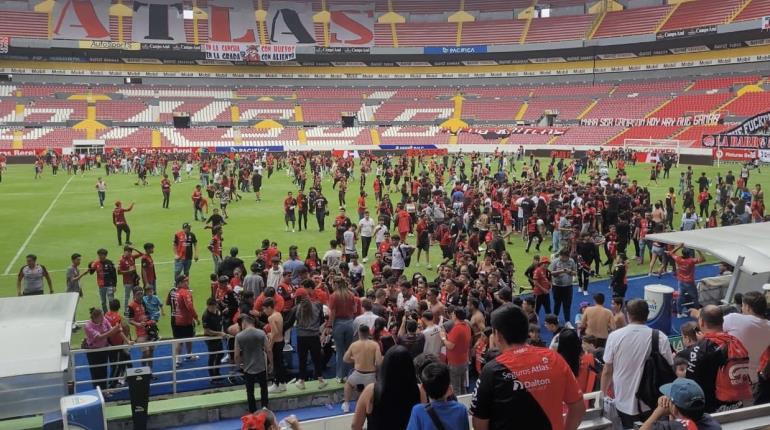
(98, 331)
(311, 260)
(343, 307)
(387, 403)
(307, 318)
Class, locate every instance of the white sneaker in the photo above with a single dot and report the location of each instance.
(300, 385)
(365, 260)
(429, 266)
(585, 292)
(191, 358)
(280, 388)
(345, 407)
(322, 384)
(178, 362)
(225, 359)
(292, 230)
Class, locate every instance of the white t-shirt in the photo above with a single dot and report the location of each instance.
(753, 332)
(410, 304)
(333, 258)
(398, 254)
(366, 227)
(367, 318)
(432, 340)
(349, 238)
(627, 349)
(380, 235)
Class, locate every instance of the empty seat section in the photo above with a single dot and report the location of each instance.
(257, 111)
(488, 92)
(701, 12)
(662, 86)
(426, 6)
(337, 136)
(645, 132)
(264, 92)
(496, 5)
(572, 90)
(383, 36)
(427, 34)
(51, 137)
(632, 21)
(24, 24)
(559, 28)
(191, 106)
(126, 137)
(692, 104)
(567, 108)
(425, 110)
(118, 110)
(45, 110)
(695, 132)
(724, 82)
(424, 93)
(625, 107)
(755, 10)
(492, 32)
(419, 135)
(490, 109)
(332, 93)
(7, 111)
(317, 111)
(584, 136)
(749, 104)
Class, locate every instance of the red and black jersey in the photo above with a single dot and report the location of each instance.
(536, 383)
(106, 275)
(148, 270)
(119, 216)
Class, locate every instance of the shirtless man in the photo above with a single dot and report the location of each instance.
(478, 323)
(276, 342)
(435, 306)
(598, 320)
(618, 317)
(365, 356)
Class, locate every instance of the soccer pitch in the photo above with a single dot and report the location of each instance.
(56, 216)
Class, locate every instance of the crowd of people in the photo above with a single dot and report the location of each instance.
(406, 346)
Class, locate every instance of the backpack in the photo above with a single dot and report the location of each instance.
(733, 382)
(656, 372)
(407, 258)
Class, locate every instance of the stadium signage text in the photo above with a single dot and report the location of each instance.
(685, 121)
(515, 130)
(249, 53)
(735, 141)
(108, 44)
(753, 125)
(686, 32)
(451, 50)
(5, 42)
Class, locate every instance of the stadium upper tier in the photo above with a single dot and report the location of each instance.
(410, 23)
(608, 113)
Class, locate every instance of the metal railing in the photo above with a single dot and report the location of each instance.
(176, 372)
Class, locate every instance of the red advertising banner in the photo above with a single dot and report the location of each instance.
(550, 131)
(728, 154)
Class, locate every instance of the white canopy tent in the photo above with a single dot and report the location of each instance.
(35, 332)
(746, 247)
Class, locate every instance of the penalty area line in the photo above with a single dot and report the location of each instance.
(37, 226)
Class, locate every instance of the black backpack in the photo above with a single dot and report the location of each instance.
(656, 373)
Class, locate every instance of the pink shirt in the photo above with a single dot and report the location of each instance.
(92, 330)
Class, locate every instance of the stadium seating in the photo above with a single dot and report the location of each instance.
(749, 104)
(407, 111)
(580, 136)
(490, 109)
(631, 22)
(427, 34)
(501, 32)
(24, 24)
(661, 86)
(723, 82)
(644, 132)
(755, 10)
(56, 111)
(627, 107)
(692, 104)
(119, 110)
(559, 28)
(567, 108)
(318, 111)
(496, 5)
(561, 90)
(700, 13)
(412, 135)
(126, 137)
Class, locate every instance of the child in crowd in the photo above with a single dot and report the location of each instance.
(440, 413)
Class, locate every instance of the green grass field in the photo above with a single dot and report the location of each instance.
(58, 215)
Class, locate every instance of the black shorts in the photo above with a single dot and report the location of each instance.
(423, 243)
(446, 251)
(183, 331)
(290, 216)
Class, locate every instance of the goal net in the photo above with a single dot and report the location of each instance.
(654, 150)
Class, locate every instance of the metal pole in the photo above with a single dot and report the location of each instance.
(733, 281)
(173, 368)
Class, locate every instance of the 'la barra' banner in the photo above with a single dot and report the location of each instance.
(249, 53)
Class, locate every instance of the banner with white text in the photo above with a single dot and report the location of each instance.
(249, 53)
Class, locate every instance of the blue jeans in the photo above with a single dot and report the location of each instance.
(342, 333)
(555, 239)
(106, 295)
(687, 294)
(182, 266)
(128, 294)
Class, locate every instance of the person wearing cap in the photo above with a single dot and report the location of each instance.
(542, 286)
(120, 223)
(684, 401)
(185, 250)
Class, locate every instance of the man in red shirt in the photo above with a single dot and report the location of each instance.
(290, 211)
(149, 278)
(215, 246)
(685, 274)
(137, 317)
(404, 222)
(185, 318)
(197, 197)
(127, 268)
(119, 221)
(458, 345)
(165, 187)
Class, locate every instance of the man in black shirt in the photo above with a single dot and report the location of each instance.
(215, 220)
(213, 327)
(230, 263)
(320, 204)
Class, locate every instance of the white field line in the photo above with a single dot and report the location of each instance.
(37, 226)
(64, 270)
